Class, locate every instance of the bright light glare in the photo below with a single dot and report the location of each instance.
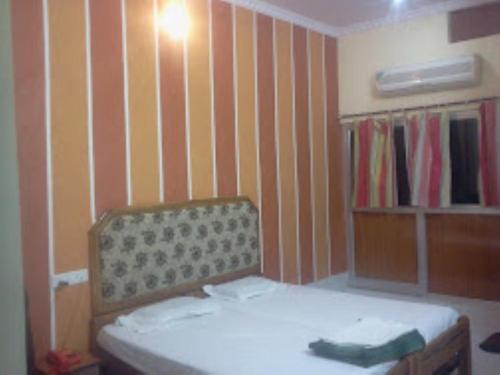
(397, 2)
(174, 20)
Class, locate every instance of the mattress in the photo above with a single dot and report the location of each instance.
(327, 311)
(267, 335)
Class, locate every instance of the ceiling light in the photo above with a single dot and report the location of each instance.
(174, 19)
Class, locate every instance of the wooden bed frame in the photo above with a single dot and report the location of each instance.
(449, 351)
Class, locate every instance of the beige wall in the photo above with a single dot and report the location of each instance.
(12, 342)
(419, 40)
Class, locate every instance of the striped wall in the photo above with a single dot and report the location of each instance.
(110, 112)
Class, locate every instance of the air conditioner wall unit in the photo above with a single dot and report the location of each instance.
(446, 74)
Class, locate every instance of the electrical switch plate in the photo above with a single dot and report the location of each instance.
(70, 278)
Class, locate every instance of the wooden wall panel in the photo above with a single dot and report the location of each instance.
(72, 306)
(200, 101)
(222, 46)
(303, 152)
(246, 98)
(29, 96)
(386, 247)
(337, 204)
(141, 60)
(464, 255)
(69, 134)
(287, 157)
(131, 122)
(173, 114)
(70, 167)
(319, 169)
(267, 148)
(110, 166)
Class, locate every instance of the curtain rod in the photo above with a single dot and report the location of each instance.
(407, 109)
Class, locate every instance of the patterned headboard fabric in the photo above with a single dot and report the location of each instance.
(138, 252)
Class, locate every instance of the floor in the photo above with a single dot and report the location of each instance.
(484, 317)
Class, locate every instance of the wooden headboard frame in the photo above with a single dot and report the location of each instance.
(105, 313)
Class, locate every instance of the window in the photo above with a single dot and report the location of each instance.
(464, 157)
(432, 158)
(464, 160)
(454, 141)
(402, 182)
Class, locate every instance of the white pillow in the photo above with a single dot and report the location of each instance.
(164, 314)
(242, 289)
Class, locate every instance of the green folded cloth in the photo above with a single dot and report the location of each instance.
(366, 355)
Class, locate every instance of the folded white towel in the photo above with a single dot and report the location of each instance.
(370, 331)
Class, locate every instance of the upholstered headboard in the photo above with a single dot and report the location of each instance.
(142, 254)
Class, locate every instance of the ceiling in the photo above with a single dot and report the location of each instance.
(349, 15)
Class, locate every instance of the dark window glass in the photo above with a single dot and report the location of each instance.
(464, 154)
(401, 169)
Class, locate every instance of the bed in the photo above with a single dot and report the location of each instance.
(142, 255)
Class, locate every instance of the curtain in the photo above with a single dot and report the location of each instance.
(412, 134)
(429, 145)
(383, 181)
(424, 154)
(420, 160)
(373, 184)
(488, 154)
(363, 135)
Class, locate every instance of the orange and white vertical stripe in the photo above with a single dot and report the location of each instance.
(246, 105)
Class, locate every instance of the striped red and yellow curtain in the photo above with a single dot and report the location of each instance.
(429, 160)
(429, 156)
(373, 164)
(489, 156)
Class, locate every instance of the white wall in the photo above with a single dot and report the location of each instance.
(12, 321)
(419, 40)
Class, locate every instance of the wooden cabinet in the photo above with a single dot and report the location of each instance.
(449, 252)
(464, 255)
(386, 247)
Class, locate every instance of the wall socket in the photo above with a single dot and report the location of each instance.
(70, 278)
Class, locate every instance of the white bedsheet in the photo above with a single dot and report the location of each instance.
(326, 311)
(267, 335)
